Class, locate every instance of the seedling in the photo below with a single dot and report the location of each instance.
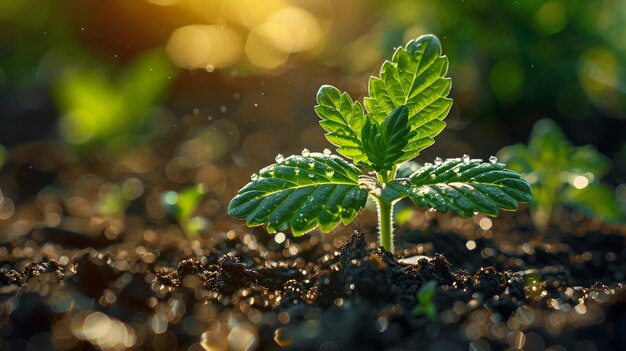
(182, 206)
(425, 300)
(403, 113)
(562, 174)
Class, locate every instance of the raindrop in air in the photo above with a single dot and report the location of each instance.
(438, 161)
(254, 176)
(280, 158)
(326, 153)
(306, 152)
(466, 158)
(493, 159)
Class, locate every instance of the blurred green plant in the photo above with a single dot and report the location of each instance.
(562, 174)
(100, 108)
(426, 301)
(182, 205)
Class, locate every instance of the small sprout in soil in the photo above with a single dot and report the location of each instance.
(401, 116)
(562, 174)
(182, 206)
(425, 301)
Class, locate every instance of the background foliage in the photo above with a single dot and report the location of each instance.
(109, 75)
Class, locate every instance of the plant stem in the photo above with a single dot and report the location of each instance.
(385, 226)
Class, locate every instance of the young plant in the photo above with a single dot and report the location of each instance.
(425, 301)
(182, 206)
(403, 113)
(562, 174)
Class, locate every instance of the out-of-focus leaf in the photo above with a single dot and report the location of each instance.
(595, 199)
(588, 159)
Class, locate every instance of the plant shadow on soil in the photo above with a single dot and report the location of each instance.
(239, 291)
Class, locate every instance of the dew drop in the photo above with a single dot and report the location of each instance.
(330, 172)
(432, 209)
(493, 159)
(254, 176)
(438, 161)
(466, 158)
(280, 158)
(311, 175)
(306, 152)
(428, 164)
(326, 153)
(311, 165)
(475, 213)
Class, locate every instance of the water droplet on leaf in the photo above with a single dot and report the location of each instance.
(330, 172)
(466, 158)
(254, 176)
(280, 158)
(311, 175)
(493, 159)
(326, 153)
(438, 161)
(432, 209)
(306, 152)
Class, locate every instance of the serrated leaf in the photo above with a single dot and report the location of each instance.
(465, 187)
(383, 144)
(343, 120)
(301, 193)
(415, 77)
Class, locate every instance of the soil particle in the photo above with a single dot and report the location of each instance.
(33, 269)
(232, 275)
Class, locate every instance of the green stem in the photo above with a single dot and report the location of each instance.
(385, 226)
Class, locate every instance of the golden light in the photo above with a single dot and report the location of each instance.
(250, 13)
(303, 27)
(268, 46)
(202, 46)
(580, 182)
(163, 2)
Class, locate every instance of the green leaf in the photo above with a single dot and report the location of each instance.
(301, 193)
(415, 77)
(384, 144)
(464, 186)
(595, 199)
(343, 121)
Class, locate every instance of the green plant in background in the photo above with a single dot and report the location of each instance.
(426, 301)
(560, 173)
(99, 109)
(182, 206)
(405, 110)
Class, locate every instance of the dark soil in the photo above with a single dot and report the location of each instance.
(76, 277)
(234, 291)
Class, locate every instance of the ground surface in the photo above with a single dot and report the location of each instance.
(90, 258)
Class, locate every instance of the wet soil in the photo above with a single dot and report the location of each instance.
(91, 259)
(239, 291)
